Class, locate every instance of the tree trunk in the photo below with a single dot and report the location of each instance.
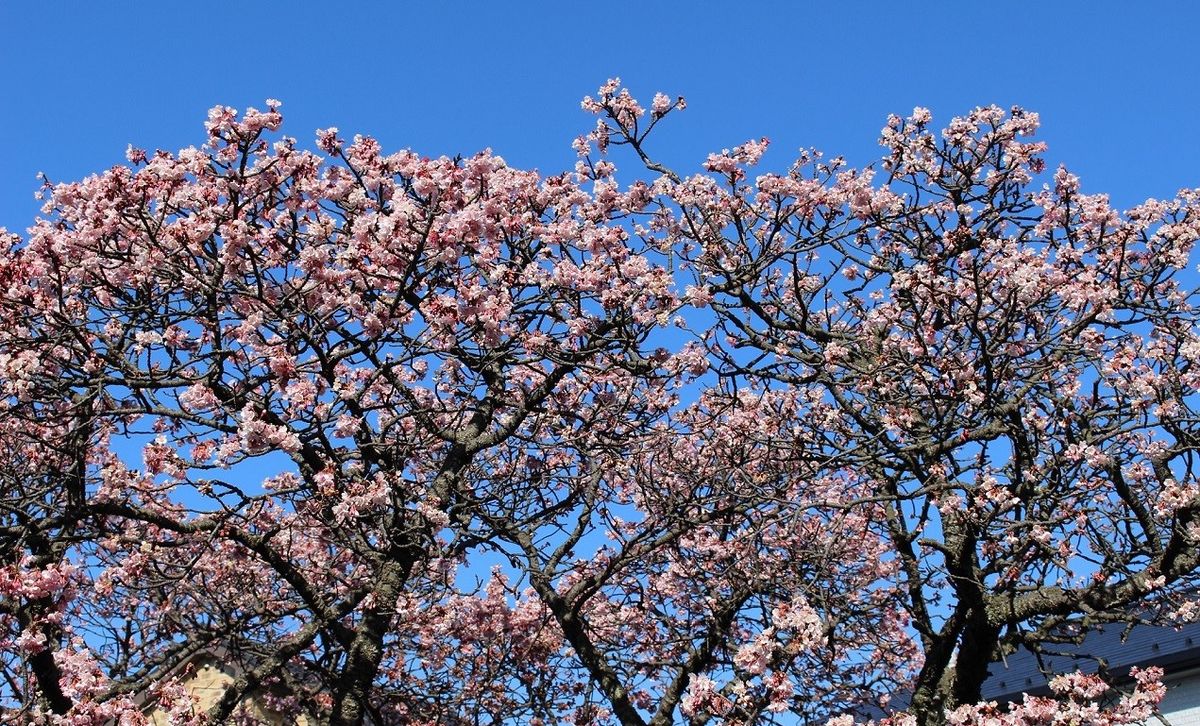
(362, 662)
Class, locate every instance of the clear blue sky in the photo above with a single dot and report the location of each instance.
(1116, 82)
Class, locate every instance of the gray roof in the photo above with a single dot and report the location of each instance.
(1110, 646)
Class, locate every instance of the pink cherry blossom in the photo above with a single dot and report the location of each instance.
(441, 440)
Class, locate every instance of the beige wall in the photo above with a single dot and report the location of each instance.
(207, 684)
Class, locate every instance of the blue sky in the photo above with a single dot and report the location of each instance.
(1115, 82)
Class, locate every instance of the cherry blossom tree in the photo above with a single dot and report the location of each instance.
(415, 440)
(1007, 367)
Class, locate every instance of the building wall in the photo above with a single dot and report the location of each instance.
(207, 685)
(1181, 706)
